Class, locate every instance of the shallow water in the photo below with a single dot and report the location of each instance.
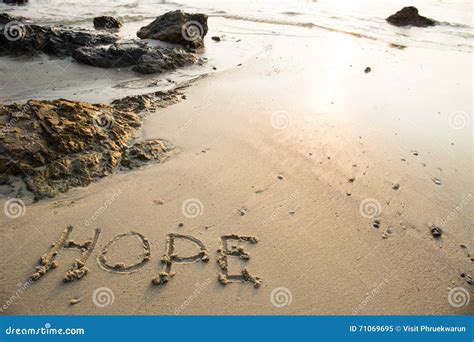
(246, 27)
(353, 16)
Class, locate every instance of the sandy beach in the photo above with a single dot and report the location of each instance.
(341, 173)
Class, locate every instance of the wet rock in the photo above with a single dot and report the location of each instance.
(144, 59)
(55, 145)
(160, 60)
(107, 23)
(177, 27)
(17, 37)
(15, 2)
(408, 16)
(20, 38)
(115, 56)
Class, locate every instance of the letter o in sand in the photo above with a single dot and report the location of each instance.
(122, 268)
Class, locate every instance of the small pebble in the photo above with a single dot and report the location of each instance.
(436, 232)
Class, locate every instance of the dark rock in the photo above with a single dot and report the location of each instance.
(367, 70)
(160, 60)
(115, 56)
(408, 16)
(177, 27)
(20, 38)
(107, 23)
(436, 232)
(15, 2)
(216, 38)
(143, 58)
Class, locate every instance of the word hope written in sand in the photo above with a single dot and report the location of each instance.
(79, 270)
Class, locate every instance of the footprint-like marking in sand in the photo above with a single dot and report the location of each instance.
(121, 267)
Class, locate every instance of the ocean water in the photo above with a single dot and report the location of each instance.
(247, 27)
(362, 17)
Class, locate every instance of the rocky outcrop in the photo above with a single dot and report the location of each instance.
(408, 16)
(55, 145)
(177, 27)
(96, 49)
(19, 38)
(144, 59)
(107, 23)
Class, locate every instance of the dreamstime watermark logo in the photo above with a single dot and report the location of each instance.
(102, 297)
(280, 120)
(14, 30)
(104, 121)
(370, 296)
(282, 207)
(199, 288)
(458, 119)
(192, 208)
(458, 297)
(370, 208)
(192, 31)
(280, 297)
(21, 288)
(456, 210)
(14, 208)
(107, 204)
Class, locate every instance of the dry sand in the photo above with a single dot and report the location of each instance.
(284, 148)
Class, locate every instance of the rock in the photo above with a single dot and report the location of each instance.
(89, 47)
(216, 38)
(177, 27)
(396, 186)
(144, 59)
(20, 38)
(436, 232)
(15, 2)
(408, 16)
(107, 23)
(55, 145)
(159, 60)
(367, 70)
(115, 56)
(74, 301)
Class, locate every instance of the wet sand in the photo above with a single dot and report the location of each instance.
(302, 149)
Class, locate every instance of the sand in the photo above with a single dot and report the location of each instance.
(300, 148)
